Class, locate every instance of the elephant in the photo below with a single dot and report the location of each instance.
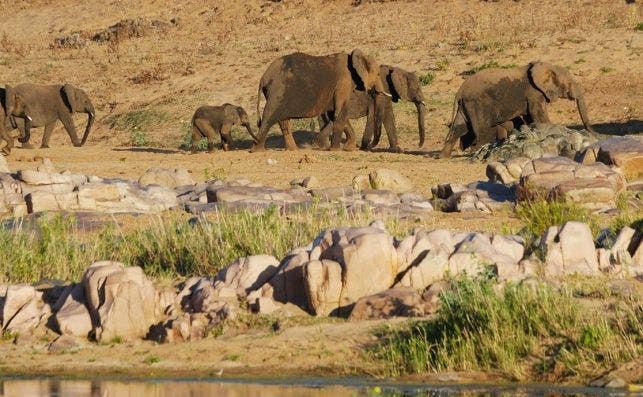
(300, 85)
(210, 120)
(7, 115)
(489, 101)
(401, 84)
(50, 103)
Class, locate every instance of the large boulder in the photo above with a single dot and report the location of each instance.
(594, 186)
(166, 177)
(120, 196)
(72, 316)
(385, 179)
(339, 260)
(288, 284)
(394, 302)
(20, 311)
(625, 152)
(121, 300)
(569, 250)
(249, 273)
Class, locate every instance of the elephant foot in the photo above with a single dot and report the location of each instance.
(291, 148)
(27, 145)
(350, 148)
(396, 149)
(335, 148)
(257, 148)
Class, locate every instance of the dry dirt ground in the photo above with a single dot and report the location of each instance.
(146, 88)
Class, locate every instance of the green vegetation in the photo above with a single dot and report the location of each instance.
(149, 360)
(539, 215)
(606, 69)
(427, 78)
(639, 26)
(137, 123)
(139, 139)
(488, 65)
(524, 332)
(165, 246)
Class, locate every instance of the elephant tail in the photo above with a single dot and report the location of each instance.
(259, 91)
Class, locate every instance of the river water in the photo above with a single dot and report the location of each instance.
(53, 387)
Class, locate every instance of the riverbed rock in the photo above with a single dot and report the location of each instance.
(21, 309)
(249, 273)
(385, 179)
(625, 152)
(166, 177)
(71, 313)
(288, 284)
(394, 302)
(594, 186)
(569, 250)
(121, 300)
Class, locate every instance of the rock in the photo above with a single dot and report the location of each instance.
(333, 193)
(248, 273)
(623, 240)
(361, 182)
(432, 295)
(4, 166)
(577, 244)
(309, 182)
(383, 197)
(121, 300)
(431, 268)
(119, 197)
(498, 173)
(43, 178)
(17, 299)
(594, 186)
(72, 316)
(40, 201)
(515, 165)
(265, 305)
(625, 152)
(166, 177)
(508, 246)
(288, 284)
(386, 179)
(395, 302)
(446, 190)
(323, 281)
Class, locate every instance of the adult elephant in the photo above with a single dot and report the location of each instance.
(400, 84)
(303, 86)
(488, 101)
(50, 103)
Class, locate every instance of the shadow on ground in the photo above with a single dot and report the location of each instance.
(630, 127)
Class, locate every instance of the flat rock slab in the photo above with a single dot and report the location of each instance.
(625, 152)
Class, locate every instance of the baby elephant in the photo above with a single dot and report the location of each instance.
(12, 108)
(210, 120)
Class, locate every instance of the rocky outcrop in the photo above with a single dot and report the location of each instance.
(594, 186)
(167, 177)
(476, 196)
(394, 302)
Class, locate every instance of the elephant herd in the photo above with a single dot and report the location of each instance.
(334, 89)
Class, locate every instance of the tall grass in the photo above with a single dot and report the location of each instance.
(522, 332)
(539, 215)
(164, 246)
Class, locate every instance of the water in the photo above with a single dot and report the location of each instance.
(53, 387)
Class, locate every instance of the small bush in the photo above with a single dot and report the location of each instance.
(149, 360)
(606, 69)
(639, 26)
(137, 120)
(139, 138)
(427, 78)
(539, 215)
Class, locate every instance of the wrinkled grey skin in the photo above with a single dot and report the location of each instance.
(209, 121)
(50, 103)
(488, 101)
(401, 84)
(303, 86)
(18, 110)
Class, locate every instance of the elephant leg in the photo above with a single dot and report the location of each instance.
(49, 129)
(203, 129)
(68, 122)
(370, 132)
(4, 134)
(538, 113)
(196, 137)
(325, 127)
(287, 133)
(503, 130)
(350, 137)
(388, 119)
(226, 138)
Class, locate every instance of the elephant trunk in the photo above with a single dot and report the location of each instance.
(582, 110)
(90, 122)
(421, 108)
(24, 138)
(247, 125)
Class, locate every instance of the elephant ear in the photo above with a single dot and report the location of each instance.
(545, 80)
(8, 100)
(70, 93)
(400, 84)
(362, 67)
(241, 112)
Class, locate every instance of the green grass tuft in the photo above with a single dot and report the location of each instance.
(427, 78)
(488, 65)
(521, 331)
(539, 215)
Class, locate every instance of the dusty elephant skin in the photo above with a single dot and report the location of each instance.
(12, 105)
(211, 120)
(51, 103)
(301, 85)
(488, 103)
(402, 85)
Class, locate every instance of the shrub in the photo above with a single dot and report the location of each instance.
(478, 328)
(427, 78)
(487, 65)
(538, 215)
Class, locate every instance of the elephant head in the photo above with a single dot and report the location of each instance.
(245, 121)
(368, 73)
(79, 102)
(406, 86)
(557, 82)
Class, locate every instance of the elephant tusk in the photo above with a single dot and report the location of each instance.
(423, 104)
(29, 118)
(385, 94)
(91, 114)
